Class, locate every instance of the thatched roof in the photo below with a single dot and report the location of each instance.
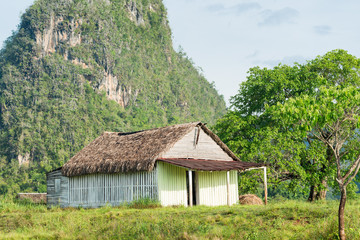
(114, 152)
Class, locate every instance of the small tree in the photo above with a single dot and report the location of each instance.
(332, 116)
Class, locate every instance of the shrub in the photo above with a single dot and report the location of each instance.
(145, 203)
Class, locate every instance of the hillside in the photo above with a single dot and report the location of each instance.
(76, 68)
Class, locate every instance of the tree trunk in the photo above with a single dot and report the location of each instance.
(341, 214)
(312, 194)
(316, 194)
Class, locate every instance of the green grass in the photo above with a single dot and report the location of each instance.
(278, 220)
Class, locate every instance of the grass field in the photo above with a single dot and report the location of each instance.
(278, 220)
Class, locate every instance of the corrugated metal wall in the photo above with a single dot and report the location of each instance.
(100, 189)
(213, 190)
(166, 183)
(172, 184)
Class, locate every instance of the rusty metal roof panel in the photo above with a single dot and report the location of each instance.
(210, 165)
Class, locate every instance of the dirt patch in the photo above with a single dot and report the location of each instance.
(301, 221)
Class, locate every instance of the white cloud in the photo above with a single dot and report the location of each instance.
(252, 55)
(288, 60)
(285, 15)
(237, 9)
(322, 29)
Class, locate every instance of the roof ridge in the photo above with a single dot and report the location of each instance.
(153, 129)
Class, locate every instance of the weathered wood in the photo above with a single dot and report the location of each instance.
(57, 189)
(196, 146)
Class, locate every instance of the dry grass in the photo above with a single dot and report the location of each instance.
(250, 199)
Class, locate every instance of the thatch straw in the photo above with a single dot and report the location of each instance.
(250, 199)
(125, 152)
(130, 152)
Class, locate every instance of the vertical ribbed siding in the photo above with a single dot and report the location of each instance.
(172, 184)
(234, 184)
(212, 188)
(99, 189)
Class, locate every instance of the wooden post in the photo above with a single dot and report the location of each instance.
(190, 189)
(228, 187)
(265, 185)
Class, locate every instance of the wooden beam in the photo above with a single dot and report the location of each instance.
(190, 189)
(265, 186)
(228, 187)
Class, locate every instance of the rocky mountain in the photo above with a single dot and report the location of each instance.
(76, 68)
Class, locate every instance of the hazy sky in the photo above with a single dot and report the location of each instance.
(227, 37)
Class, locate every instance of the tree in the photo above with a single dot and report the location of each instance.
(332, 116)
(252, 132)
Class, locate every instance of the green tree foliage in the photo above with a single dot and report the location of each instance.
(332, 116)
(300, 161)
(51, 70)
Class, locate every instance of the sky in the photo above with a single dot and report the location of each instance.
(225, 38)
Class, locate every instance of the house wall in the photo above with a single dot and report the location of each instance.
(166, 182)
(206, 148)
(172, 184)
(213, 190)
(57, 189)
(97, 190)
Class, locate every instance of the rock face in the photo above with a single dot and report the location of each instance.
(135, 14)
(61, 34)
(24, 159)
(117, 91)
(57, 33)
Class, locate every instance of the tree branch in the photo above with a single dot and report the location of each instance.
(355, 167)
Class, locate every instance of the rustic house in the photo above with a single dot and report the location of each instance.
(184, 164)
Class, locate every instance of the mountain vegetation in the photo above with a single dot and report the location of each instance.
(76, 68)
